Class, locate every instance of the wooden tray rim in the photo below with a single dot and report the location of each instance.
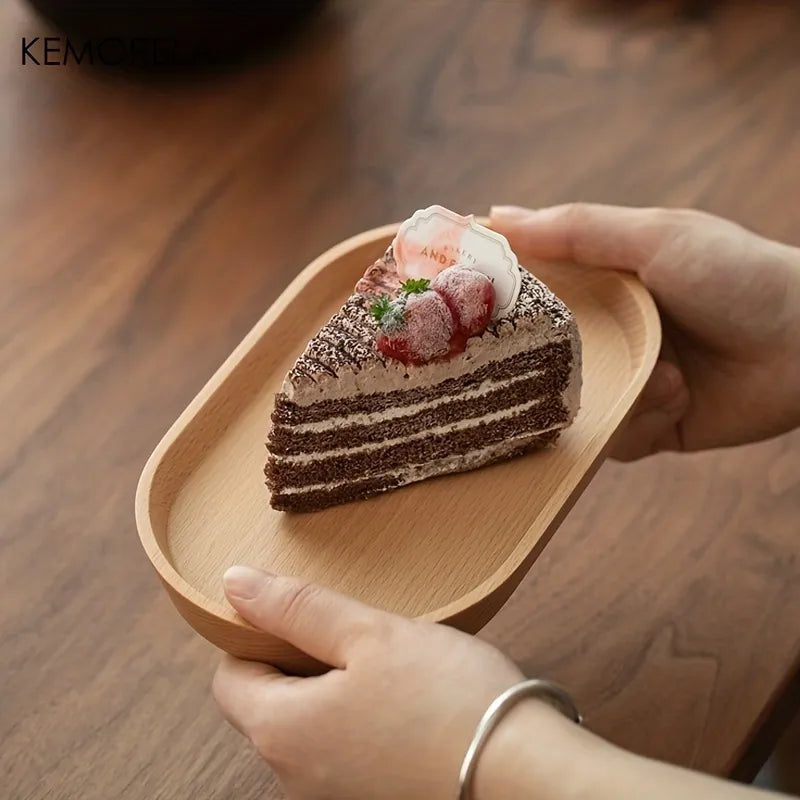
(175, 582)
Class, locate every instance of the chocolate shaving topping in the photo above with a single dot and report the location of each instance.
(349, 338)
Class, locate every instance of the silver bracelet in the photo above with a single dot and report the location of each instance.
(547, 690)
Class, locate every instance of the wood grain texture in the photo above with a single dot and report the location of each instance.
(446, 550)
(145, 228)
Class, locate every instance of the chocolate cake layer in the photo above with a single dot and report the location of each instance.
(317, 499)
(283, 473)
(287, 440)
(556, 356)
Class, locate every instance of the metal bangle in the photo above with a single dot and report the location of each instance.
(556, 695)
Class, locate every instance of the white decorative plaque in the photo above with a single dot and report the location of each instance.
(436, 238)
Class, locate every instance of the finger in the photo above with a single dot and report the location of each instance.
(642, 434)
(320, 622)
(663, 388)
(590, 234)
(242, 691)
(651, 430)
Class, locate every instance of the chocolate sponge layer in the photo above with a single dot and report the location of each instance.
(282, 474)
(286, 440)
(317, 499)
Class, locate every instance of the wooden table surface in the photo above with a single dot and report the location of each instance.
(144, 228)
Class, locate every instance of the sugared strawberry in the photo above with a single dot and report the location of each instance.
(470, 296)
(415, 327)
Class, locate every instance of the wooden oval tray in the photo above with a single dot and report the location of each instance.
(451, 549)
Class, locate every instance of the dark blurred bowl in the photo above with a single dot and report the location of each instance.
(175, 33)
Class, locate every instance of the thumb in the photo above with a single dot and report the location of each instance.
(586, 233)
(320, 622)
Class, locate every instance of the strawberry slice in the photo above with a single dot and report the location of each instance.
(470, 296)
(417, 328)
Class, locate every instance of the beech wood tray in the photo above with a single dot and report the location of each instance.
(450, 549)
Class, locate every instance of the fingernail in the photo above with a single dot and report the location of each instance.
(244, 582)
(508, 213)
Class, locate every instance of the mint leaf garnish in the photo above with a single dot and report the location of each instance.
(415, 285)
(381, 307)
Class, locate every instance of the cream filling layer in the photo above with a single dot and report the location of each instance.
(463, 424)
(418, 472)
(371, 418)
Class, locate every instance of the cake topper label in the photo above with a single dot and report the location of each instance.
(436, 238)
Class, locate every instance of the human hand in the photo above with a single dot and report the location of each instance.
(729, 370)
(395, 716)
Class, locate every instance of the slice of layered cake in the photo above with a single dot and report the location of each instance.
(448, 356)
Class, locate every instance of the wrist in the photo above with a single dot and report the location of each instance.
(536, 752)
